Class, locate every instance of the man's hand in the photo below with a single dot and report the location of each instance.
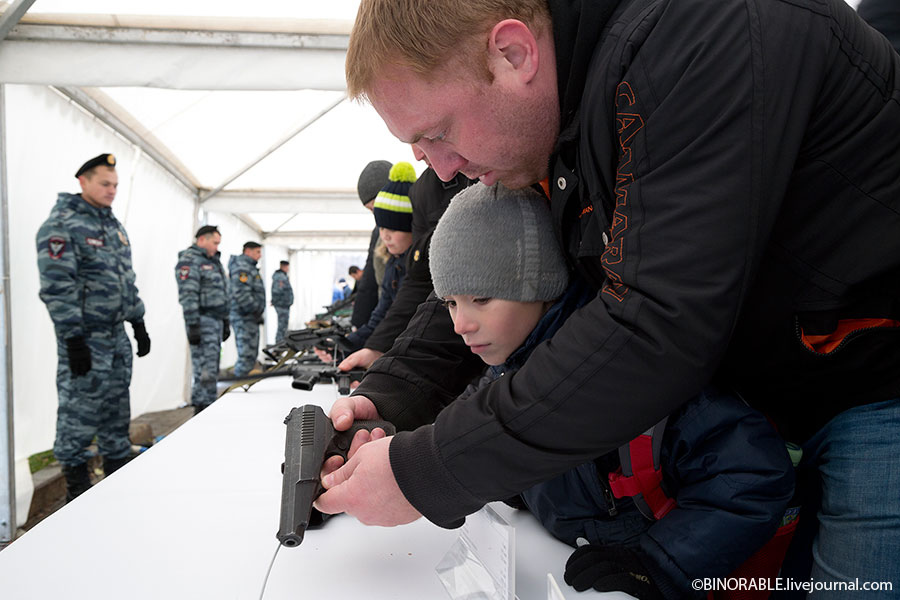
(80, 356)
(324, 356)
(343, 413)
(141, 337)
(361, 359)
(365, 488)
(194, 334)
(226, 329)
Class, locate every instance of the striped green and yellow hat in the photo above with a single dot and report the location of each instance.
(392, 209)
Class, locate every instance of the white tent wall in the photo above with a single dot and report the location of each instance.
(312, 275)
(48, 138)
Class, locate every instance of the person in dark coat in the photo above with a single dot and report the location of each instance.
(372, 178)
(725, 177)
(429, 197)
(393, 216)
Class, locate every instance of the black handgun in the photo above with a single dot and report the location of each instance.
(310, 440)
(307, 376)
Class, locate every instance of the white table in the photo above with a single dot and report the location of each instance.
(196, 515)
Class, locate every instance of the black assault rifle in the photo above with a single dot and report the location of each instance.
(307, 376)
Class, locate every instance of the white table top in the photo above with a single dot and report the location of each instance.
(196, 515)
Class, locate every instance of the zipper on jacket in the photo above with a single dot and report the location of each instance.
(608, 496)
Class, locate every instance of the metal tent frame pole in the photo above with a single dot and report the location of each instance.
(7, 441)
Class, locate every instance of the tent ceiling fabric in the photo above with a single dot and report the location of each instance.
(213, 93)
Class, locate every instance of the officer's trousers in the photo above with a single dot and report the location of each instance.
(96, 403)
(246, 338)
(283, 313)
(205, 362)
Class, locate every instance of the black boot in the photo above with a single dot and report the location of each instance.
(77, 480)
(111, 465)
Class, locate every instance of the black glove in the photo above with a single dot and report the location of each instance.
(226, 329)
(194, 334)
(611, 569)
(141, 337)
(79, 355)
(260, 319)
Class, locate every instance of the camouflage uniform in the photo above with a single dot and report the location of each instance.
(247, 304)
(88, 285)
(282, 298)
(203, 294)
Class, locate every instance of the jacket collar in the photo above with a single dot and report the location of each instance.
(577, 25)
(202, 253)
(77, 203)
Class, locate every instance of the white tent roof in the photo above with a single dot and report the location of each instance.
(243, 102)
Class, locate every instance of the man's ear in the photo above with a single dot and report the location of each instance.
(513, 51)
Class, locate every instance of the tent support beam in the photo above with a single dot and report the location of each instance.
(10, 18)
(85, 101)
(275, 147)
(7, 441)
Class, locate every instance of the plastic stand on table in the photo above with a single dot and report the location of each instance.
(553, 591)
(481, 564)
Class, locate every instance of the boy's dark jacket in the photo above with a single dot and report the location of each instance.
(727, 178)
(722, 462)
(394, 275)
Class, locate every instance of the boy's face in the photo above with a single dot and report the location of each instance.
(396, 242)
(492, 328)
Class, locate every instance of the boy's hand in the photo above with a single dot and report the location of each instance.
(611, 569)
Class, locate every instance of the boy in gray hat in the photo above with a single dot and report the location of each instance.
(720, 477)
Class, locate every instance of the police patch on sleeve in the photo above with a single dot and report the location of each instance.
(56, 246)
(185, 272)
(243, 277)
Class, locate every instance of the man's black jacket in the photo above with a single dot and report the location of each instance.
(728, 178)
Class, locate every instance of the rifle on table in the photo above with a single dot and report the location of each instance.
(334, 308)
(307, 376)
(310, 439)
(304, 340)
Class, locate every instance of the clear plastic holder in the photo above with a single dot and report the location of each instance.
(481, 563)
(553, 591)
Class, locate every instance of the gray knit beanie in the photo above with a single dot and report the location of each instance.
(494, 242)
(374, 176)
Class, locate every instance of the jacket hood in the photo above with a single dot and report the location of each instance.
(577, 25)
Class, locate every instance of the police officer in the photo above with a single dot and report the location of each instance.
(282, 297)
(88, 285)
(203, 294)
(247, 304)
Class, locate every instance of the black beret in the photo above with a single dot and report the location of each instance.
(104, 159)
